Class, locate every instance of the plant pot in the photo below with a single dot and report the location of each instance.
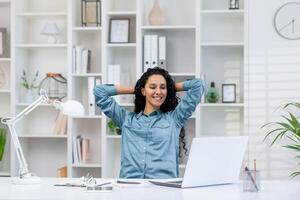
(28, 97)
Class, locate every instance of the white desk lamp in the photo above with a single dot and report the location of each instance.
(71, 108)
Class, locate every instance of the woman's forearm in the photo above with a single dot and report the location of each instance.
(179, 86)
(124, 89)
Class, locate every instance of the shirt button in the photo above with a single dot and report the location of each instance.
(144, 148)
(143, 160)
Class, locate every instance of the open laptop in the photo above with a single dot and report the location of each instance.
(212, 161)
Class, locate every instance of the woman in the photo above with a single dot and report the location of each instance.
(150, 134)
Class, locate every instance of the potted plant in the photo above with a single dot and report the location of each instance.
(2, 142)
(29, 86)
(112, 126)
(288, 128)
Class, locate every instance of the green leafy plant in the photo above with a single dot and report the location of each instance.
(113, 127)
(288, 128)
(25, 83)
(2, 142)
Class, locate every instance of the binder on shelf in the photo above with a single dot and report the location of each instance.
(154, 51)
(97, 82)
(147, 50)
(74, 70)
(86, 61)
(91, 97)
(78, 50)
(162, 52)
(114, 77)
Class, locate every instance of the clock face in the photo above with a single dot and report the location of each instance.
(287, 21)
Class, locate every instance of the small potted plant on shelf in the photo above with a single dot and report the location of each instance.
(28, 97)
(113, 128)
(288, 128)
(2, 142)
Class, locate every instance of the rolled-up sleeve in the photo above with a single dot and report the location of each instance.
(103, 96)
(195, 89)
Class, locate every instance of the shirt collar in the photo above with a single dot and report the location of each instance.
(156, 112)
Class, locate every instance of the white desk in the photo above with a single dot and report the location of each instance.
(271, 190)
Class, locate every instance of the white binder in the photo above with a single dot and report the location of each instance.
(154, 51)
(147, 48)
(91, 85)
(114, 77)
(162, 52)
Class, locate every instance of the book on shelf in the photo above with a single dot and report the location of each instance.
(81, 60)
(114, 77)
(81, 150)
(61, 124)
(154, 51)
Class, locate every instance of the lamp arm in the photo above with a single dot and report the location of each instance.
(10, 122)
(32, 106)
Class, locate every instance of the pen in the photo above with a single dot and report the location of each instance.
(127, 182)
(70, 185)
(252, 179)
(102, 184)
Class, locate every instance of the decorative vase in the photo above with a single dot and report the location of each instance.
(156, 16)
(212, 95)
(28, 97)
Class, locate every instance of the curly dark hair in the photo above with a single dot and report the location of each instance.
(169, 104)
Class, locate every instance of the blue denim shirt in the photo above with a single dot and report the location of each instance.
(150, 143)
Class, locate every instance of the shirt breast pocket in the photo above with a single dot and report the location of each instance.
(161, 131)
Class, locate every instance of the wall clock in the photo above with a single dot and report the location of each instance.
(287, 21)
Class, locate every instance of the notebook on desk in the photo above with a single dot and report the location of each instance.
(212, 161)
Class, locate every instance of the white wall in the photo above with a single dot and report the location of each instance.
(274, 76)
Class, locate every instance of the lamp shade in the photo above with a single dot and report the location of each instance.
(72, 108)
(50, 29)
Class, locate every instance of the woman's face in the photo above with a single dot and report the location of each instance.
(155, 91)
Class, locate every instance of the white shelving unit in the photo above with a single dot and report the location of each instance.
(6, 89)
(203, 38)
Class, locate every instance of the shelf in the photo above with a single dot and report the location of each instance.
(4, 173)
(222, 44)
(87, 75)
(221, 105)
(123, 13)
(63, 45)
(80, 28)
(4, 3)
(50, 136)
(5, 59)
(4, 91)
(88, 117)
(227, 12)
(182, 74)
(88, 165)
(113, 136)
(168, 27)
(121, 45)
(42, 14)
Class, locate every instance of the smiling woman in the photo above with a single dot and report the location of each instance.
(151, 134)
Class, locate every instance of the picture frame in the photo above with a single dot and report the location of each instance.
(229, 93)
(119, 29)
(90, 13)
(3, 43)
